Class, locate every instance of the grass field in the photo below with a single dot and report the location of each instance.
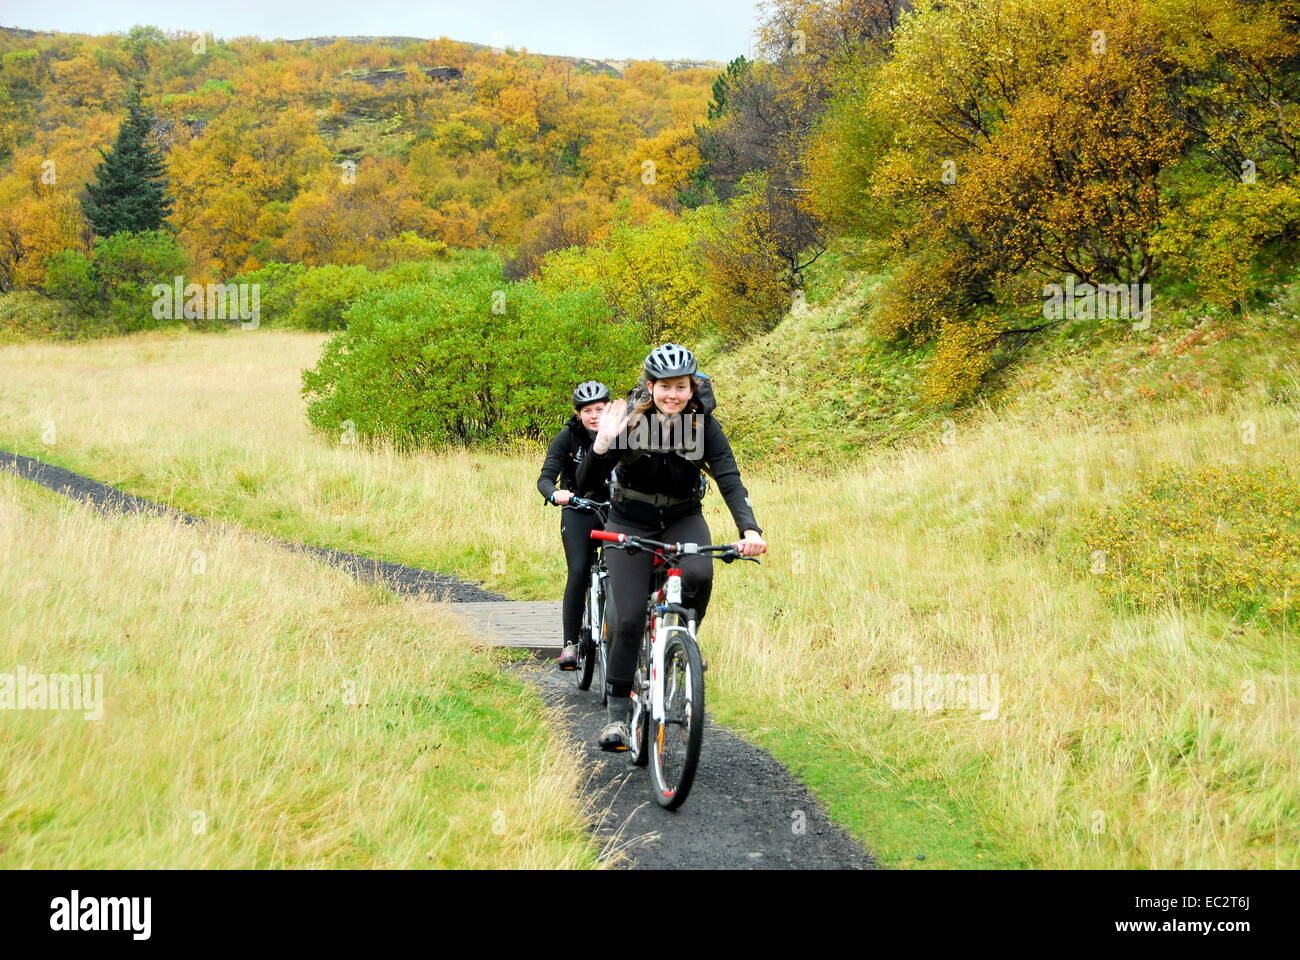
(255, 709)
(1162, 737)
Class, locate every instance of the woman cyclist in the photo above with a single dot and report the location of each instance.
(657, 443)
(564, 454)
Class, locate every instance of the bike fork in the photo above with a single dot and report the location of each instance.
(659, 642)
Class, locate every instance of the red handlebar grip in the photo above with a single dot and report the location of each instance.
(606, 535)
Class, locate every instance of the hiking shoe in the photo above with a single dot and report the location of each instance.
(569, 657)
(615, 736)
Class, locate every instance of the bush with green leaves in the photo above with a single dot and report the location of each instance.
(128, 266)
(467, 359)
(112, 291)
(322, 294)
(70, 276)
(28, 315)
(277, 289)
(408, 246)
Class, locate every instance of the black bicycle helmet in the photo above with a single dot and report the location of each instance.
(670, 360)
(589, 391)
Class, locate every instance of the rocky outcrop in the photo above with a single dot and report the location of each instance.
(164, 130)
(377, 78)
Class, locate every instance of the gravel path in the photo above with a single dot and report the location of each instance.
(745, 811)
(408, 581)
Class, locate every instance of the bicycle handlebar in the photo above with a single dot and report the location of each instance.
(726, 551)
(582, 503)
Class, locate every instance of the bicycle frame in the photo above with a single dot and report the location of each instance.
(592, 642)
(597, 587)
(666, 597)
(599, 574)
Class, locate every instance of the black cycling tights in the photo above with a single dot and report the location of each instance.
(579, 552)
(629, 589)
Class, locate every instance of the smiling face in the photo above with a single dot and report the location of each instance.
(590, 414)
(671, 394)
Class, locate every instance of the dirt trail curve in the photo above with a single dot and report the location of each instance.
(746, 811)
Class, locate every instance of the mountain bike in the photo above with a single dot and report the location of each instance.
(667, 725)
(591, 643)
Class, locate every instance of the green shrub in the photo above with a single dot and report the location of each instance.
(432, 363)
(129, 265)
(1223, 535)
(322, 294)
(26, 314)
(70, 276)
(212, 83)
(400, 274)
(113, 292)
(278, 287)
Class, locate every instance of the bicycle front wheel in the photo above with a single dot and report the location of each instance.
(602, 656)
(676, 739)
(639, 748)
(586, 648)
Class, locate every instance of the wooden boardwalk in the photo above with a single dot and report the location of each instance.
(527, 624)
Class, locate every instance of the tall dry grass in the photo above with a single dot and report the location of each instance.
(1143, 740)
(259, 710)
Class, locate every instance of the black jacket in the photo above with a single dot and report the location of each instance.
(566, 451)
(649, 471)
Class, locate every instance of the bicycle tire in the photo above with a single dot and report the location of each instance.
(639, 724)
(602, 649)
(586, 647)
(676, 740)
(602, 657)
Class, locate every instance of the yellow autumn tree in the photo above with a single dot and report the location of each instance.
(649, 273)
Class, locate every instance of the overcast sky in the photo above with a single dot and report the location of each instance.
(613, 29)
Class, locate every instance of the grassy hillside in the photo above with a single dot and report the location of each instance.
(258, 710)
(1134, 730)
(822, 385)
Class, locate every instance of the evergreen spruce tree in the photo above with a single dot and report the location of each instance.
(723, 86)
(131, 188)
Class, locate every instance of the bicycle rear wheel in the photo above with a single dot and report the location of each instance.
(676, 740)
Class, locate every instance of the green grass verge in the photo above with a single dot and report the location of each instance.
(906, 822)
